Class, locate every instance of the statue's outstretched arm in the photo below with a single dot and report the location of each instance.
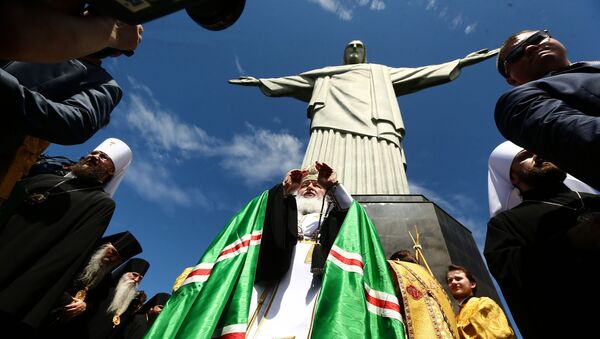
(295, 86)
(245, 81)
(477, 56)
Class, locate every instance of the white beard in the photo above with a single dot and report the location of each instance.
(310, 205)
(95, 269)
(124, 294)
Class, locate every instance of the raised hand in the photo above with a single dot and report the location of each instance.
(292, 180)
(478, 56)
(327, 175)
(125, 37)
(74, 309)
(245, 81)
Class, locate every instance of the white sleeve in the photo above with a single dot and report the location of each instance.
(341, 197)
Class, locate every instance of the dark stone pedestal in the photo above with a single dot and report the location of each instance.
(444, 240)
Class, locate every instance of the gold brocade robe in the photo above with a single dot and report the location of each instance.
(25, 156)
(482, 318)
(428, 313)
(181, 278)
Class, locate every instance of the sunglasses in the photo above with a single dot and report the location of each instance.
(519, 49)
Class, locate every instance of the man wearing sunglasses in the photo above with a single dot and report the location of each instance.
(554, 109)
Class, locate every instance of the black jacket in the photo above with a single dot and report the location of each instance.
(64, 103)
(558, 117)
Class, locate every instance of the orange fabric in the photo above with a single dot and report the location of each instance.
(427, 310)
(25, 156)
(181, 278)
(482, 318)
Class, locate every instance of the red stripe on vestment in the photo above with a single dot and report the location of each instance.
(236, 335)
(345, 260)
(243, 244)
(200, 271)
(381, 303)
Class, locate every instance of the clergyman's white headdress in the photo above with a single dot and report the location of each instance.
(502, 195)
(121, 155)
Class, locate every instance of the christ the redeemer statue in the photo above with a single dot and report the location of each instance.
(356, 122)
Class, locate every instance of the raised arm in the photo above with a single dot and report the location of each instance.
(245, 81)
(477, 57)
(409, 80)
(295, 86)
(69, 121)
(36, 32)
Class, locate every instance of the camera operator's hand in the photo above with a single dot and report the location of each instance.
(51, 32)
(125, 37)
(245, 81)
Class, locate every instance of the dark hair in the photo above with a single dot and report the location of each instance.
(508, 42)
(404, 255)
(468, 274)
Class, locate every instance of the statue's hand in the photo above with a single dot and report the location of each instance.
(245, 81)
(478, 56)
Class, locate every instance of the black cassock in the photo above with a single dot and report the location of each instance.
(42, 246)
(280, 235)
(136, 328)
(544, 276)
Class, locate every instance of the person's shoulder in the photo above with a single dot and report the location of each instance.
(485, 299)
(581, 65)
(503, 216)
(42, 178)
(591, 196)
(101, 198)
(511, 97)
(486, 302)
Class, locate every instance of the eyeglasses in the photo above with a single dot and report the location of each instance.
(519, 49)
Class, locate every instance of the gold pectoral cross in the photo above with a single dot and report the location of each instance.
(116, 320)
(81, 294)
(308, 258)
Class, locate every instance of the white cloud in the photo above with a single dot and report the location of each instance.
(164, 131)
(470, 28)
(443, 13)
(153, 182)
(328, 5)
(345, 9)
(377, 5)
(256, 155)
(238, 65)
(431, 5)
(447, 15)
(262, 155)
(345, 14)
(457, 21)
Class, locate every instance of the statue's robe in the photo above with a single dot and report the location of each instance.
(356, 125)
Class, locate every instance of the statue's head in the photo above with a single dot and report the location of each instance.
(355, 53)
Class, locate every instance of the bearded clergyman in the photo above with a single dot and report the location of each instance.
(47, 233)
(113, 251)
(112, 301)
(300, 260)
(552, 236)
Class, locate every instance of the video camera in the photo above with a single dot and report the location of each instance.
(214, 15)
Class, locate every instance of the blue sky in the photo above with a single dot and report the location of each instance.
(203, 148)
